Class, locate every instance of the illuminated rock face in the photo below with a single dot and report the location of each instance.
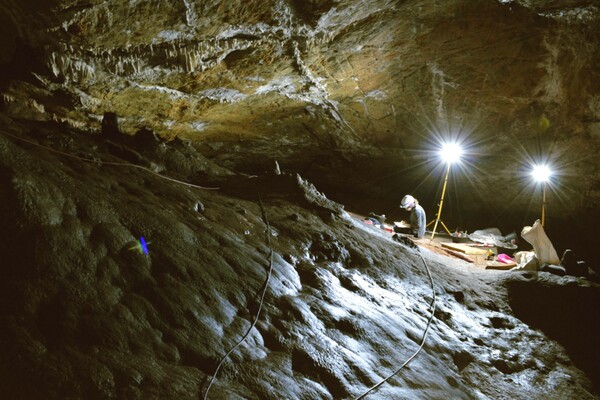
(85, 314)
(355, 96)
(378, 82)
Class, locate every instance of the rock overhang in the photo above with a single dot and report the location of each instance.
(374, 82)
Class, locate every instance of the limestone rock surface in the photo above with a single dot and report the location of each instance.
(107, 106)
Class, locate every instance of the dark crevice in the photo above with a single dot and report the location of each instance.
(568, 314)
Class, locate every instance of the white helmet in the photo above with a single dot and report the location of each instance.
(407, 202)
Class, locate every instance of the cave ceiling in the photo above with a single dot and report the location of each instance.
(369, 86)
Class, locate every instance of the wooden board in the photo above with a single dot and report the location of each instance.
(460, 255)
(499, 265)
(402, 224)
(464, 248)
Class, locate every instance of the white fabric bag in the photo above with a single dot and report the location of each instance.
(542, 246)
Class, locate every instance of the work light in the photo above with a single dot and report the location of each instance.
(450, 153)
(542, 173)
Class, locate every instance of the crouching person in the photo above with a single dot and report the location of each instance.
(417, 215)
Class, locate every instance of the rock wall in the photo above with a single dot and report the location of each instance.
(324, 86)
(85, 313)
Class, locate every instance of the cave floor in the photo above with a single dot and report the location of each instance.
(479, 258)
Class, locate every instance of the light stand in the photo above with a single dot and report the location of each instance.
(543, 204)
(450, 153)
(541, 173)
(438, 217)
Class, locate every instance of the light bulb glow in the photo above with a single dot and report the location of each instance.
(450, 152)
(541, 173)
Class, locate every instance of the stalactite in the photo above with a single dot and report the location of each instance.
(190, 13)
(7, 99)
(72, 63)
(75, 64)
(54, 64)
(551, 86)
(437, 89)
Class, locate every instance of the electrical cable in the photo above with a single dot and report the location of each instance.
(263, 212)
(270, 256)
(432, 305)
(91, 160)
(262, 298)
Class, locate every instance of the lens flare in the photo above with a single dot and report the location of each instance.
(541, 173)
(451, 152)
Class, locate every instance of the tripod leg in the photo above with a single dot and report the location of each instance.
(439, 213)
(434, 228)
(446, 228)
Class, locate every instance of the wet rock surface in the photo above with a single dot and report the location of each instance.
(84, 314)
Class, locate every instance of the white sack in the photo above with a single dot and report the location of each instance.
(542, 246)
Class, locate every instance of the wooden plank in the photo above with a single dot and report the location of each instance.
(460, 255)
(499, 265)
(464, 248)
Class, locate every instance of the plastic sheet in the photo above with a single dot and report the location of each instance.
(492, 236)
